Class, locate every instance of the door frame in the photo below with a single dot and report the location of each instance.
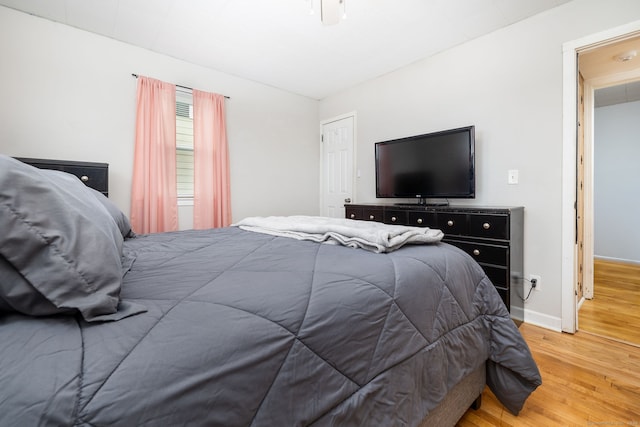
(569, 314)
(353, 115)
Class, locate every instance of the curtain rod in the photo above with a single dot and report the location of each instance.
(183, 87)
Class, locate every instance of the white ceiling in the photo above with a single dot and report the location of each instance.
(279, 43)
(601, 61)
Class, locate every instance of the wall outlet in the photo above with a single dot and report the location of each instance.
(538, 281)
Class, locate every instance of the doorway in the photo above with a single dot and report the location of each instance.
(610, 72)
(570, 165)
(613, 297)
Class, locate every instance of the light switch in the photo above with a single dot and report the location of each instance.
(513, 176)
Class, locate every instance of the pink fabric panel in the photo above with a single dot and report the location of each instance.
(212, 191)
(154, 194)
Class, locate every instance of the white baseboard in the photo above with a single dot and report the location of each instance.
(517, 313)
(626, 261)
(543, 320)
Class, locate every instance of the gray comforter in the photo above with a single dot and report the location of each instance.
(247, 329)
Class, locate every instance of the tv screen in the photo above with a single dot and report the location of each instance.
(433, 165)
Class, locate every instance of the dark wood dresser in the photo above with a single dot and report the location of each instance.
(493, 236)
(94, 175)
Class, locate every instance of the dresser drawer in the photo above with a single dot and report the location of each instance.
(487, 254)
(499, 276)
(489, 226)
(372, 214)
(95, 178)
(422, 219)
(364, 213)
(352, 212)
(452, 223)
(392, 216)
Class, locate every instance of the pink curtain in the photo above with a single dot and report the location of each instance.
(211, 193)
(154, 204)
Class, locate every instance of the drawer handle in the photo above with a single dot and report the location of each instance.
(419, 220)
(394, 219)
(450, 223)
(372, 217)
(352, 216)
(84, 178)
(486, 226)
(476, 252)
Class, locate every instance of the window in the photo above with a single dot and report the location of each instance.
(184, 144)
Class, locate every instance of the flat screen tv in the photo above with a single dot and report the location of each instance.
(438, 165)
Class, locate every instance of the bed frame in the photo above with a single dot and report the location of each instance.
(464, 395)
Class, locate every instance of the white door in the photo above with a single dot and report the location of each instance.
(337, 165)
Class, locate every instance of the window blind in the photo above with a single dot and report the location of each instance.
(184, 144)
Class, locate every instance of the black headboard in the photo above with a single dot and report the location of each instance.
(94, 175)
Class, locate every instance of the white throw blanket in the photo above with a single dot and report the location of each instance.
(369, 235)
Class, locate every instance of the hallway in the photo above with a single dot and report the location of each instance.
(614, 311)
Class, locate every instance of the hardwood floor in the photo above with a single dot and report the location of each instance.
(587, 380)
(615, 309)
(590, 378)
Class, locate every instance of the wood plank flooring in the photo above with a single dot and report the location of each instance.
(615, 309)
(587, 380)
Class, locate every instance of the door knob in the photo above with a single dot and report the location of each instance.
(347, 200)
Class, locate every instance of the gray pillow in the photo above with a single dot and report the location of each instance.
(118, 216)
(61, 249)
(17, 294)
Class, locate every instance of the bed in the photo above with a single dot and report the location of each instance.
(230, 327)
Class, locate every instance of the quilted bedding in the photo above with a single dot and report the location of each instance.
(248, 329)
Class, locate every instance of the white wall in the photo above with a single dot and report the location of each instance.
(509, 85)
(617, 182)
(69, 94)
